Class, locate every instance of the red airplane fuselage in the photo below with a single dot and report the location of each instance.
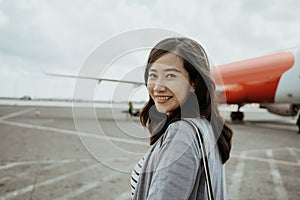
(253, 80)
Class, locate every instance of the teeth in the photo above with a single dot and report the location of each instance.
(163, 98)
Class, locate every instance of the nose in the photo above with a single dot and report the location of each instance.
(159, 87)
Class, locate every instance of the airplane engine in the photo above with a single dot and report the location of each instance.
(283, 109)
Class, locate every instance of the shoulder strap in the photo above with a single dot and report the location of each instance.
(204, 157)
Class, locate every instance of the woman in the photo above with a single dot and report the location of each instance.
(178, 80)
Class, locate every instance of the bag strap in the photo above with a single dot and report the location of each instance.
(204, 158)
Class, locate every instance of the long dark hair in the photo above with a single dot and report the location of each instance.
(202, 103)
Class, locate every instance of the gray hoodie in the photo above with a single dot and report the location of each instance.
(172, 170)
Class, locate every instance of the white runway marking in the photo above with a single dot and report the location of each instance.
(296, 149)
(81, 134)
(26, 173)
(14, 114)
(280, 162)
(14, 164)
(234, 188)
(264, 150)
(277, 180)
(47, 182)
(87, 187)
(4, 179)
(275, 126)
(125, 195)
(293, 153)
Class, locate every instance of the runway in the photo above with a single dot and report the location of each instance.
(85, 153)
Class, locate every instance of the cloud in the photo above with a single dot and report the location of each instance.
(23, 35)
(250, 28)
(37, 36)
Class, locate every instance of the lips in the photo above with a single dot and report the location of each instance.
(162, 99)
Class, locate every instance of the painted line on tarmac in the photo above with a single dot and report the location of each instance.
(274, 126)
(69, 132)
(21, 163)
(4, 179)
(234, 188)
(25, 173)
(280, 162)
(29, 188)
(264, 150)
(87, 187)
(124, 196)
(277, 180)
(15, 114)
(296, 149)
(30, 171)
(293, 153)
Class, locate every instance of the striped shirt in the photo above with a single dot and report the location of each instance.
(135, 175)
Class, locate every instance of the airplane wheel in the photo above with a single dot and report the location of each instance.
(237, 116)
(233, 116)
(240, 116)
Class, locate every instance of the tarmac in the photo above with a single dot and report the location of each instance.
(52, 152)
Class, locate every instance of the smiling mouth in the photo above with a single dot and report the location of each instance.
(162, 99)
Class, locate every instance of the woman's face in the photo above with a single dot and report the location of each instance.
(168, 83)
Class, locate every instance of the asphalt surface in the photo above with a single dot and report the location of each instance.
(60, 153)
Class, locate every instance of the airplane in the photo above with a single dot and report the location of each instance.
(272, 81)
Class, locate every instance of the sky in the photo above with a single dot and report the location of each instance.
(58, 36)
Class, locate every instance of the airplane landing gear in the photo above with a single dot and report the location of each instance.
(238, 115)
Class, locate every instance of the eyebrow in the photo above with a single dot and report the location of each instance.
(167, 70)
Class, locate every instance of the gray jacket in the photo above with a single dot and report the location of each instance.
(172, 168)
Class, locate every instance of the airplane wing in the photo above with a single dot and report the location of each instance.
(97, 79)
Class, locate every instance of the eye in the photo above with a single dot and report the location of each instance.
(171, 76)
(152, 75)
